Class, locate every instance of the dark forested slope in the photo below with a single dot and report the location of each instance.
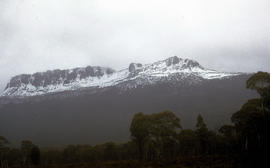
(97, 115)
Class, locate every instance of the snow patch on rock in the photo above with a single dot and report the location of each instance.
(172, 69)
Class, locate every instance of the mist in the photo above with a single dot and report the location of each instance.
(38, 35)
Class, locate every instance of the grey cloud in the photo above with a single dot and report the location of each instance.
(37, 35)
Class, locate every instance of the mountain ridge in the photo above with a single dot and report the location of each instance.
(136, 74)
(103, 112)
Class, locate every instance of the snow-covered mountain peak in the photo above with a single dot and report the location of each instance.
(176, 63)
(173, 64)
(171, 69)
(182, 63)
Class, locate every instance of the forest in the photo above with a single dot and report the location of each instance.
(159, 140)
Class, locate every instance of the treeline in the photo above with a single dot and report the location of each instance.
(160, 138)
(155, 137)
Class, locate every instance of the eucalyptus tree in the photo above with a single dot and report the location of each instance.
(252, 121)
(26, 147)
(155, 134)
(202, 134)
(3, 151)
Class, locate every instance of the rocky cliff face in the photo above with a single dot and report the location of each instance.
(173, 68)
(43, 79)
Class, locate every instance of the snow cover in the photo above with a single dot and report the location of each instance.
(150, 73)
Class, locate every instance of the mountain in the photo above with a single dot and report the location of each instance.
(96, 104)
(173, 68)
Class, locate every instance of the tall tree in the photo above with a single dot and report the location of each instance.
(261, 83)
(35, 155)
(200, 125)
(252, 121)
(229, 135)
(248, 123)
(165, 129)
(3, 151)
(188, 143)
(202, 134)
(139, 129)
(156, 132)
(26, 147)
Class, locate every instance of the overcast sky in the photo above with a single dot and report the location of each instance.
(226, 35)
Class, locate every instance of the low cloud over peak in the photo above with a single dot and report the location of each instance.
(37, 35)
